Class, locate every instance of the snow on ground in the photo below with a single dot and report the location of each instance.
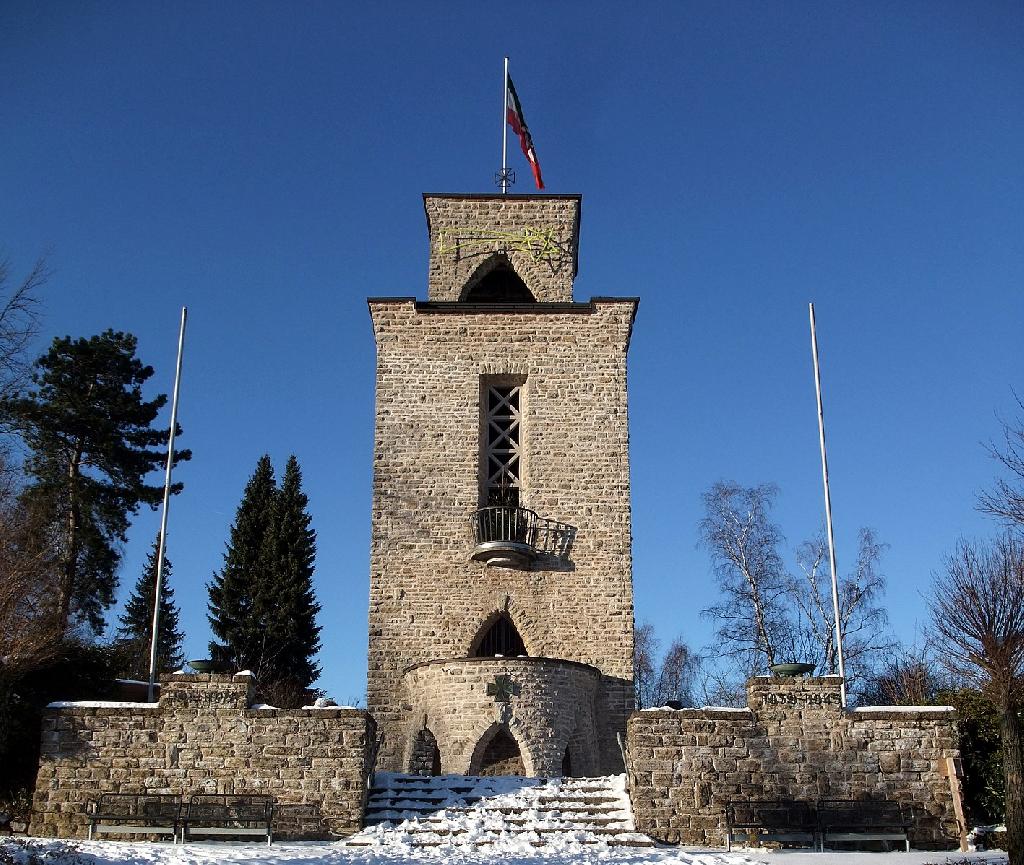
(939, 709)
(100, 704)
(50, 852)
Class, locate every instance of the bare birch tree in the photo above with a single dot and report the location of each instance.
(744, 546)
(768, 615)
(863, 622)
(977, 608)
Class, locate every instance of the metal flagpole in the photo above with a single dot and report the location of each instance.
(828, 510)
(157, 595)
(504, 131)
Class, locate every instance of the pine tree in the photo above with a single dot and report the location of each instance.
(136, 623)
(289, 589)
(91, 444)
(262, 605)
(237, 614)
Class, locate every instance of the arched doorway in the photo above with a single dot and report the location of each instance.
(425, 758)
(498, 753)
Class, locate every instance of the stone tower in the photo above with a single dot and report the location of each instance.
(501, 598)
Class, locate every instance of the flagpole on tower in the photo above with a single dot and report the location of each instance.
(503, 177)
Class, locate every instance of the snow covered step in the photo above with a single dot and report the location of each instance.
(466, 811)
(376, 811)
(495, 804)
(441, 828)
(485, 839)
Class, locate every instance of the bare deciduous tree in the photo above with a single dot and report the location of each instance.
(675, 676)
(1006, 499)
(743, 543)
(671, 680)
(645, 649)
(864, 624)
(30, 631)
(907, 676)
(977, 609)
(769, 616)
(19, 320)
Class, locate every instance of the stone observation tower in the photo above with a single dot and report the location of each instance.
(501, 598)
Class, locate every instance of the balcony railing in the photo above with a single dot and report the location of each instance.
(511, 536)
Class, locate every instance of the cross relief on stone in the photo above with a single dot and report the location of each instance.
(503, 689)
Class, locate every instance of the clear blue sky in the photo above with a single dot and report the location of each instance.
(262, 163)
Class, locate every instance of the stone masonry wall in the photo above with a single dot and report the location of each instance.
(428, 600)
(538, 234)
(794, 741)
(552, 708)
(202, 737)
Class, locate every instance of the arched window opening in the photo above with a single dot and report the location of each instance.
(502, 756)
(567, 764)
(501, 284)
(426, 757)
(501, 638)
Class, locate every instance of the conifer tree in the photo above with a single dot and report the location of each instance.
(262, 604)
(289, 589)
(237, 613)
(91, 443)
(134, 633)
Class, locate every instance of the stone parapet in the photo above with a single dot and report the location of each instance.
(794, 741)
(203, 738)
(551, 708)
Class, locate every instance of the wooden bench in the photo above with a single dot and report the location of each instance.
(783, 820)
(135, 814)
(235, 815)
(862, 820)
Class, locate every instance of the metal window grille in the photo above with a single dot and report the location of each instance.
(502, 426)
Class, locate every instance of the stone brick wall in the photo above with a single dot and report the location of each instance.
(428, 600)
(552, 708)
(202, 737)
(538, 234)
(794, 741)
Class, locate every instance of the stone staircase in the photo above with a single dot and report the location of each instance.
(462, 810)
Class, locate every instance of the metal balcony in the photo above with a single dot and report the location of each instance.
(508, 536)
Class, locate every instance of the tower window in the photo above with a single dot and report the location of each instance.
(501, 638)
(502, 463)
(499, 284)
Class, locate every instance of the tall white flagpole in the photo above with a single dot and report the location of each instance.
(828, 510)
(504, 131)
(158, 594)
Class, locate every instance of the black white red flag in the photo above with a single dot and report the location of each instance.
(514, 115)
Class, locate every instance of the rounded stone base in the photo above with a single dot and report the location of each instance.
(479, 710)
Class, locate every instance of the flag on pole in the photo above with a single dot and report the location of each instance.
(514, 115)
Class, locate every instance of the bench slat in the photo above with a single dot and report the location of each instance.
(134, 830)
(214, 814)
